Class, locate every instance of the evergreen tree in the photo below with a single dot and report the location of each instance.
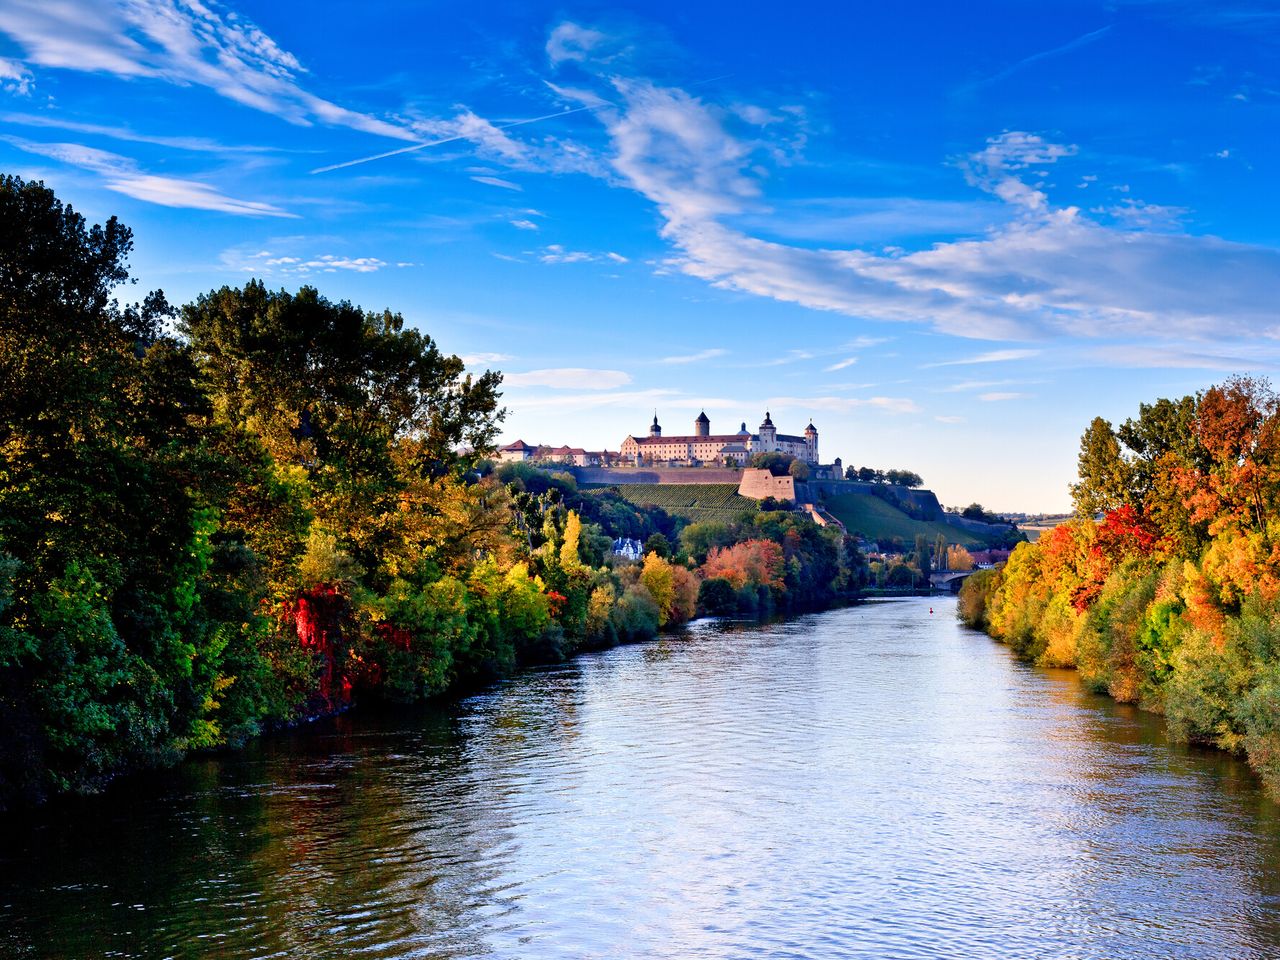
(1105, 475)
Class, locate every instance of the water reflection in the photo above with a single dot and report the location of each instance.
(869, 782)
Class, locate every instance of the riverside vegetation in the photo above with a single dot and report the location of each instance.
(1171, 598)
(266, 506)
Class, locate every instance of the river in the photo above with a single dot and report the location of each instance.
(872, 782)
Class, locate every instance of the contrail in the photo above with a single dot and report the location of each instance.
(436, 143)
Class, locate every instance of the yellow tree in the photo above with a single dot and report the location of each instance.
(570, 559)
(660, 582)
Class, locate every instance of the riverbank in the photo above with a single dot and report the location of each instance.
(1144, 639)
(321, 722)
(895, 786)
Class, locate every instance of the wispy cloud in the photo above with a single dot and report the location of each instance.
(1044, 271)
(123, 175)
(950, 419)
(194, 144)
(481, 359)
(569, 41)
(991, 356)
(1027, 61)
(629, 399)
(569, 378)
(1150, 356)
(15, 78)
(492, 140)
(524, 225)
(846, 404)
(847, 362)
(181, 43)
(556, 253)
(695, 357)
(1000, 396)
(498, 182)
(268, 263)
(970, 386)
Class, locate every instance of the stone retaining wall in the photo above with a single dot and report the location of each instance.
(618, 475)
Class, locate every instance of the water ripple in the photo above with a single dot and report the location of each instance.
(869, 782)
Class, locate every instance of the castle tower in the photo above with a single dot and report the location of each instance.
(654, 429)
(768, 435)
(811, 441)
(702, 426)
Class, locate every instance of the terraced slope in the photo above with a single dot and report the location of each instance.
(693, 501)
(870, 516)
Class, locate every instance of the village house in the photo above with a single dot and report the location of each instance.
(519, 452)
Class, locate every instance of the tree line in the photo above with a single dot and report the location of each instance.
(1164, 590)
(265, 506)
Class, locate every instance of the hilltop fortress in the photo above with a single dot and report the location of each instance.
(725, 448)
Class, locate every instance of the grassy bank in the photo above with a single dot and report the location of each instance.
(862, 513)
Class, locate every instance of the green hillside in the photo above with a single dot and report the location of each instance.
(693, 501)
(873, 518)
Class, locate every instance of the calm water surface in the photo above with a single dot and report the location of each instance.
(868, 782)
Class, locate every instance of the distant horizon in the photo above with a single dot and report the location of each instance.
(951, 236)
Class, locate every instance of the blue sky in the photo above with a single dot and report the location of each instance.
(950, 234)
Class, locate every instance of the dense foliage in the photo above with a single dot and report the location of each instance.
(1165, 590)
(268, 505)
(901, 478)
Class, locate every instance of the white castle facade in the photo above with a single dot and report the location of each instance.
(705, 447)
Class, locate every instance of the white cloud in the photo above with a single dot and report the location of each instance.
(194, 144)
(15, 78)
(847, 362)
(569, 378)
(1149, 356)
(991, 356)
(264, 263)
(1139, 215)
(846, 404)
(1044, 271)
(122, 175)
(997, 397)
(695, 357)
(572, 42)
(556, 253)
(524, 224)
(181, 43)
(966, 386)
(480, 359)
(498, 182)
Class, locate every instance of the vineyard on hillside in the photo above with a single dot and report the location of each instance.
(693, 501)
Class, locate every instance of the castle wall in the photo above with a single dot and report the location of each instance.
(614, 475)
(758, 484)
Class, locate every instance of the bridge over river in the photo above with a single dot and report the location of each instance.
(952, 581)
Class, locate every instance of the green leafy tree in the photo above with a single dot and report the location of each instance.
(776, 463)
(922, 557)
(658, 544)
(102, 433)
(1105, 476)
